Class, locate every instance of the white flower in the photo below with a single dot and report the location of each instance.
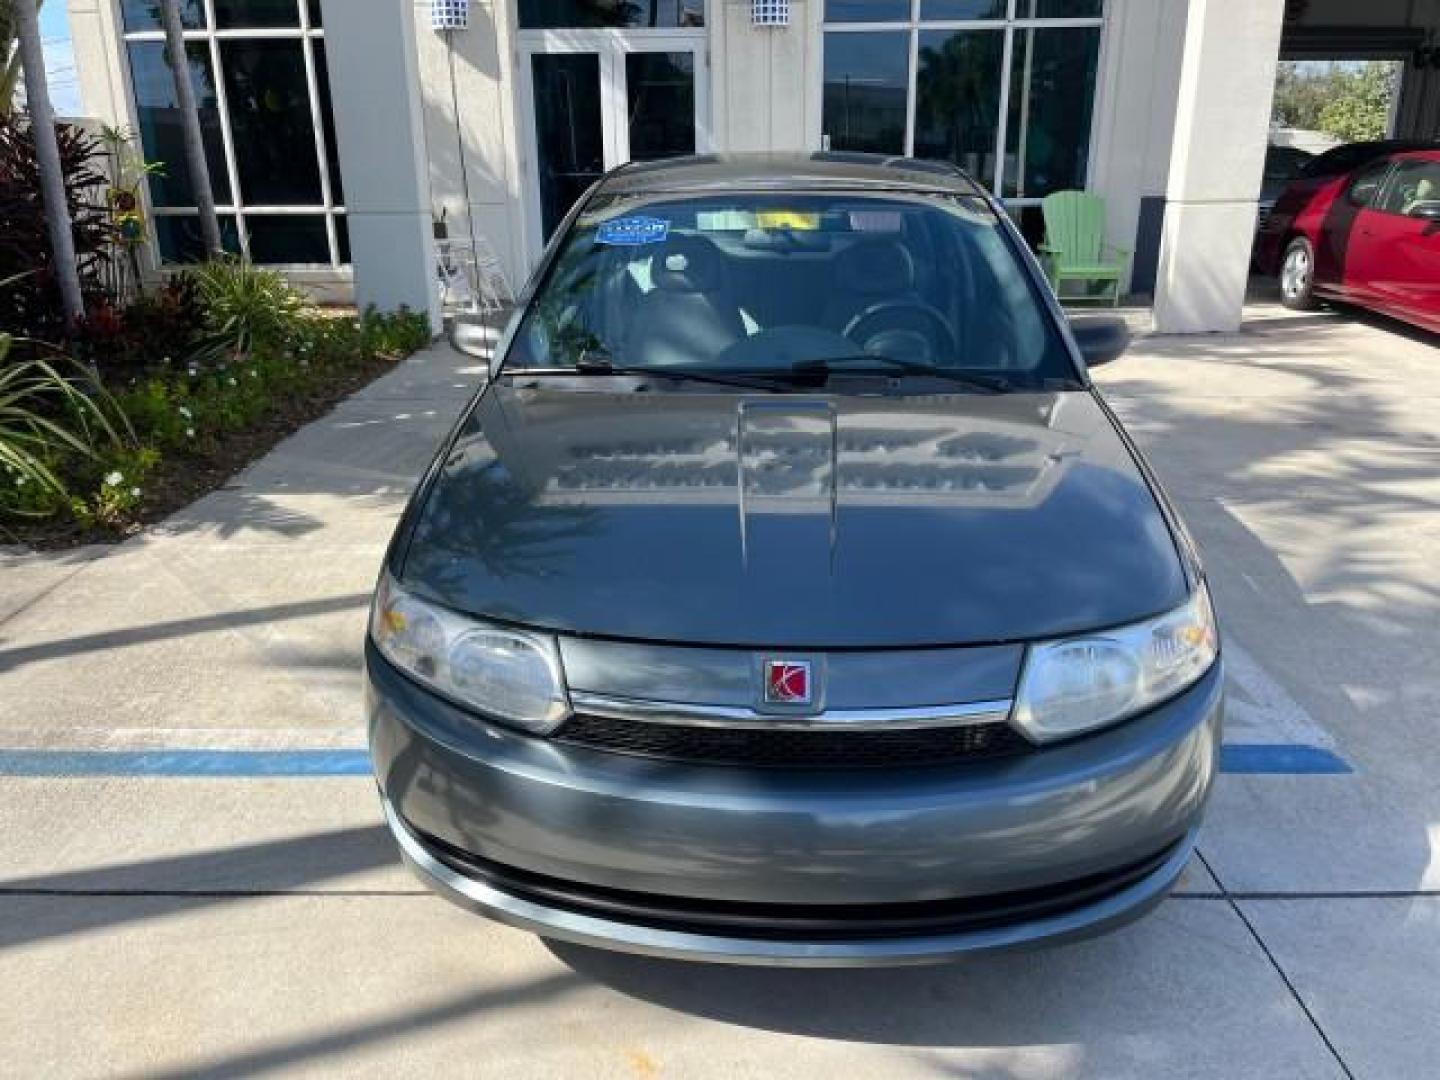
(19, 481)
(189, 432)
(165, 360)
(135, 492)
(186, 413)
(115, 479)
(192, 372)
(231, 380)
(254, 374)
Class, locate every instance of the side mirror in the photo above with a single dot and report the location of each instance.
(1101, 338)
(1427, 210)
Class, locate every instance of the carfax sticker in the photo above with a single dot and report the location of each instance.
(632, 231)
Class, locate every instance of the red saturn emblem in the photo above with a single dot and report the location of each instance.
(787, 682)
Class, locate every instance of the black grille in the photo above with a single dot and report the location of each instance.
(786, 921)
(789, 748)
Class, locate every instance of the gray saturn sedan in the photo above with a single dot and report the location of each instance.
(789, 594)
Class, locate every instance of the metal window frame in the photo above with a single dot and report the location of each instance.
(306, 35)
(1009, 25)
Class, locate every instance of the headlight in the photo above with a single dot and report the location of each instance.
(1079, 684)
(508, 674)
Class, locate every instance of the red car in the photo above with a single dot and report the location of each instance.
(1361, 224)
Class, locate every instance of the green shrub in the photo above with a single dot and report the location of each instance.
(245, 307)
(47, 417)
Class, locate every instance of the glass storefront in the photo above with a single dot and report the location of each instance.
(1003, 88)
(258, 71)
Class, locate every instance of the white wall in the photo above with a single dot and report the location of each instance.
(1135, 108)
(473, 119)
(763, 77)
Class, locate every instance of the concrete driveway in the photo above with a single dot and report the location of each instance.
(220, 920)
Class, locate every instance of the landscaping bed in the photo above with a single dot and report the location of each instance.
(242, 363)
(151, 394)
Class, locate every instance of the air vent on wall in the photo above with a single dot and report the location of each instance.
(449, 14)
(769, 12)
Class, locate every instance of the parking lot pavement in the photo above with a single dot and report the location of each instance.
(180, 914)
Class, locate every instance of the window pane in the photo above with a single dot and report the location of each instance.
(1413, 183)
(236, 13)
(660, 88)
(342, 239)
(1367, 182)
(145, 14)
(316, 18)
(838, 11)
(957, 98)
(287, 238)
(161, 134)
(569, 146)
(180, 241)
(270, 122)
(558, 14)
(962, 9)
(1059, 9)
(1052, 95)
(865, 88)
(327, 122)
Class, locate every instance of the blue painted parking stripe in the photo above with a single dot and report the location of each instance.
(1280, 759)
(217, 763)
(1252, 759)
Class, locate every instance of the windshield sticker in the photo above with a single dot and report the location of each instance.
(794, 220)
(632, 231)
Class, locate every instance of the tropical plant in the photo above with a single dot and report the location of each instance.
(33, 307)
(46, 415)
(245, 307)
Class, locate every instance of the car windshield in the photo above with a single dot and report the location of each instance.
(773, 284)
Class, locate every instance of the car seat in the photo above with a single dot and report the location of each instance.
(689, 315)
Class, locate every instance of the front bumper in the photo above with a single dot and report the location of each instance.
(622, 848)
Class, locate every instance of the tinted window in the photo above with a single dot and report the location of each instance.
(559, 14)
(1365, 184)
(145, 14)
(181, 241)
(957, 97)
(1413, 182)
(865, 86)
(1052, 91)
(287, 238)
(760, 282)
(242, 13)
(270, 121)
(161, 134)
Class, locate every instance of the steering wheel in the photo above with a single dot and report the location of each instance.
(905, 329)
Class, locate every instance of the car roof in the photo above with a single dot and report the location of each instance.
(1348, 156)
(707, 173)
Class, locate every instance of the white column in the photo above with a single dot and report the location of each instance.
(1227, 79)
(379, 126)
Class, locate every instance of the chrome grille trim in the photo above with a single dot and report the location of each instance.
(731, 716)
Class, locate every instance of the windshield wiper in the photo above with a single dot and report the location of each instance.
(597, 362)
(823, 367)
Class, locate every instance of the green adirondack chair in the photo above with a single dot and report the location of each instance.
(1075, 247)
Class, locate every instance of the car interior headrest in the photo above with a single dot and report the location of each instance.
(875, 267)
(688, 264)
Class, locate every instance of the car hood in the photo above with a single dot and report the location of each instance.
(793, 520)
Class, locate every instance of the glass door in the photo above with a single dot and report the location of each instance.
(569, 133)
(595, 99)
